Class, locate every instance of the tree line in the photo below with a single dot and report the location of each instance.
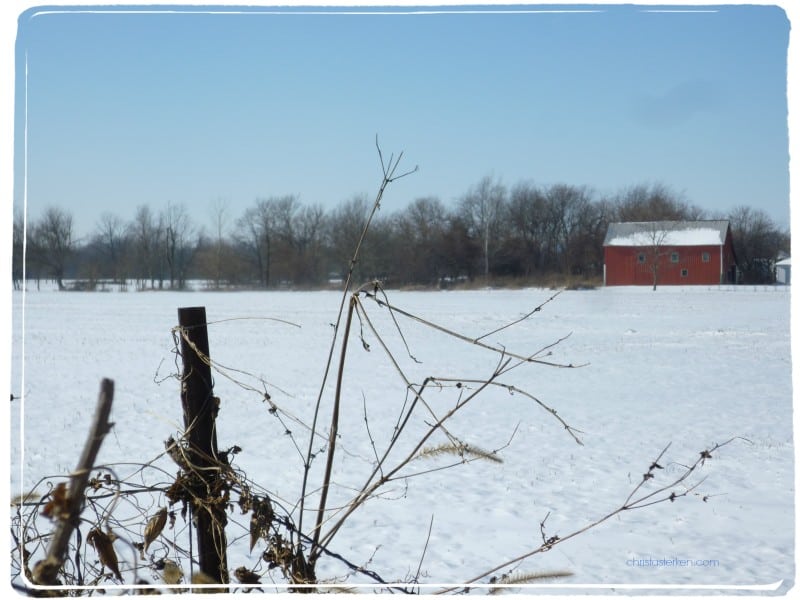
(525, 232)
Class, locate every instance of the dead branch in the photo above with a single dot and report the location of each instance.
(389, 170)
(515, 390)
(657, 496)
(424, 550)
(521, 319)
(370, 488)
(334, 431)
(67, 509)
(475, 341)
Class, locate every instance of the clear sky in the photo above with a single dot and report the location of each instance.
(199, 104)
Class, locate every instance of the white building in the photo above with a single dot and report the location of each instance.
(783, 271)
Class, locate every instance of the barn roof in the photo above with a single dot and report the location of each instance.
(667, 233)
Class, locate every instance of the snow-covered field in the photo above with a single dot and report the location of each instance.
(685, 367)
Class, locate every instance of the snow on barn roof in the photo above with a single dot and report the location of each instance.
(667, 233)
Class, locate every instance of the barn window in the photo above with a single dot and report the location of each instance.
(706, 256)
(684, 272)
(674, 257)
(641, 257)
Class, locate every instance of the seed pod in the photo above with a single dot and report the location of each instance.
(154, 527)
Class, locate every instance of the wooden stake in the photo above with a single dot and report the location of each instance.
(199, 415)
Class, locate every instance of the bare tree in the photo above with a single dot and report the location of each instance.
(219, 219)
(655, 202)
(309, 238)
(757, 242)
(285, 212)
(420, 228)
(145, 233)
(345, 225)
(111, 241)
(259, 228)
(18, 250)
(572, 217)
(657, 233)
(177, 249)
(527, 228)
(53, 242)
(255, 239)
(482, 207)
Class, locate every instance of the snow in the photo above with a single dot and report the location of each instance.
(686, 367)
(687, 237)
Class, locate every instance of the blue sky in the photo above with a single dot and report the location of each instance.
(127, 108)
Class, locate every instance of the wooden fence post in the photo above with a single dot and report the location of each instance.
(199, 414)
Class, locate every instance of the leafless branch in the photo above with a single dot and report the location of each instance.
(333, 434)
(66, 509)
(657, 496)
(521, 319)
(388, 169)
(475, 341)
(369, 433)
(370, 488)
(424, 550)
(515, 390)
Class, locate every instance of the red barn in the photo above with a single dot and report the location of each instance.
(669, 253)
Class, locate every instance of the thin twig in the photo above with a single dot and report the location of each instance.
(367, 492)
(390, 356)
(424, 551)
(314, 552)
(369, 433)
(378, 287)
(389, 176)
(523, 318)
(515, 390)
(476, 342)
(628, 504)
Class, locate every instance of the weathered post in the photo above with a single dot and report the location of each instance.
(199, 413)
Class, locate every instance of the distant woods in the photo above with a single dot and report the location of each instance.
(526, 233)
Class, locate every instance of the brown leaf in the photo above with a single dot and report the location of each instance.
(245, 575)
(58, 507)
(301, 571)
(104, 546)
(154, 527)
(260, 520)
